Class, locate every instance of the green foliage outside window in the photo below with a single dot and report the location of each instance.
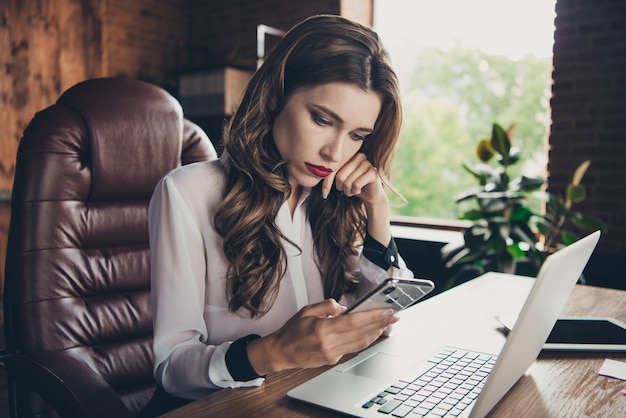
(450, 99)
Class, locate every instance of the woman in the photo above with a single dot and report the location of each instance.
(255, 255)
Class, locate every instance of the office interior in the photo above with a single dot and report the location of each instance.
(47, 46)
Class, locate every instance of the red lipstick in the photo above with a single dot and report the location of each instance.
(318, 170)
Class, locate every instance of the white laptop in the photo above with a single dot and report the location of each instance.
(387, 380)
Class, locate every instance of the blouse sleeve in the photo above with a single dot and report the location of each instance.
(370, 266)
(185, 365)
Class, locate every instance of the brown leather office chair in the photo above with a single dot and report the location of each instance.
(78, 321)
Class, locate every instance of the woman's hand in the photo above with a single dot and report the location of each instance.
(318, 335)
(358, 177)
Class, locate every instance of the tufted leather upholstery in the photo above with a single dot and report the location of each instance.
(77, 297)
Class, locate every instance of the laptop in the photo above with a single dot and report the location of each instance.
(387, 380)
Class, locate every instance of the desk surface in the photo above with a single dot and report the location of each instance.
(556, 384)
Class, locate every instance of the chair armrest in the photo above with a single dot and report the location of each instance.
(67, 384)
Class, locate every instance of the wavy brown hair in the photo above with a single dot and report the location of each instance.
(321, 49)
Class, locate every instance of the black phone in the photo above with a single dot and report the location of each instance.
(394, 293)
(581, 334)
(604, 334)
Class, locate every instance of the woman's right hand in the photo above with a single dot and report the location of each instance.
(318, 335)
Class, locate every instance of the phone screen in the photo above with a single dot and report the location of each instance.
(394, 293)
(587, 331)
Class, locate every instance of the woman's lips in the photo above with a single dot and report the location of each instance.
(318, 170)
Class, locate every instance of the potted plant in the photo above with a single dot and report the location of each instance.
(506, 234)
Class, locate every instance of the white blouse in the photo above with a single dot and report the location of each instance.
(193, 327)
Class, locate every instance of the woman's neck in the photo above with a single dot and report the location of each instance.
(294, 198)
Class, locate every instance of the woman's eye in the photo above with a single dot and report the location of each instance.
(320, 120)
(358, 137)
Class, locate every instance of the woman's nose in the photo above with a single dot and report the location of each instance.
(333, 149)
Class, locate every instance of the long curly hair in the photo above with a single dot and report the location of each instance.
(321, 49)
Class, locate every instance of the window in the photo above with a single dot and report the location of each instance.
(464, 65)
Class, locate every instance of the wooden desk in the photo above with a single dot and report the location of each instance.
(555, 385)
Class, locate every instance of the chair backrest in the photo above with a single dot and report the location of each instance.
(78, 268)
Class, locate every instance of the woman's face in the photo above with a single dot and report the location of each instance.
(322, 127)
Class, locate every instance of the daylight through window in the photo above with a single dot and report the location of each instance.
(463, 66)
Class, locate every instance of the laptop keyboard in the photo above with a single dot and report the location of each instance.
(452, 381)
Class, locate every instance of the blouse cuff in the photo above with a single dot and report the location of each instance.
(377, 253)
(237, 360)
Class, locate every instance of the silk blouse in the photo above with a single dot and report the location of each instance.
(193, 327)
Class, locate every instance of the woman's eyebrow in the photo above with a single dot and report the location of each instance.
(338, 118)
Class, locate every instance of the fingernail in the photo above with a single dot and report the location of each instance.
(388, 312)
(324, 194)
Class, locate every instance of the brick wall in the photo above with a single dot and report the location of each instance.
(589, 111)
(143, 39)
(224, 31)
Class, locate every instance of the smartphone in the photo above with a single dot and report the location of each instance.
(394, 293)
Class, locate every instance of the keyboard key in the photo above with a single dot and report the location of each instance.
(439, 412)
(455, 412)
(420, 411)
(390, 406)
(428, 404)
(393, 390)
(401, 411)
(412, 403)
(419, 398)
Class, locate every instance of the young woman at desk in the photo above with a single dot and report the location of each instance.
(254, 254)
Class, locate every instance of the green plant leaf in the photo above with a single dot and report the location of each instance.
(496, 242)
(451, 249)
(491, 202)
(515, 251)
(472, 215)
(480, 170)
(541, 195)
(588, 222)
(555, 206)
(464, 256)
(527, 184)
(484, 152)
(575, 193)
(580, 172)
(522, 233)
(515, 153)
(545, 226)
(500, 142)
(476, 236)
(500, 179)
(467, 194)
(520, 213)
(569, 237)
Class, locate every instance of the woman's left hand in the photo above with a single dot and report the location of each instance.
(358, 177)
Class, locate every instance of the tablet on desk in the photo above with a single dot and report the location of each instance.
(582, 334)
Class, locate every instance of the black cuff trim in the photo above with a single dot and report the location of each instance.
(377, 253)
(237, 360)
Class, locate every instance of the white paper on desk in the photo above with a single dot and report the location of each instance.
(613, 368)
